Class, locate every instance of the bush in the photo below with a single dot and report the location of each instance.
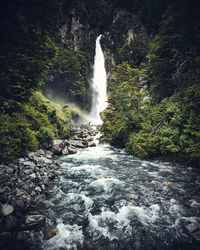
(16, 137)
(45, 136)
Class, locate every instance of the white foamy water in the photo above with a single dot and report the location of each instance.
(107, 199)
(99, 85)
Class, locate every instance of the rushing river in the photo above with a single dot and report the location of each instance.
(106, 199)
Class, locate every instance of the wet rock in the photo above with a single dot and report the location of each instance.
(39, 198)
(65, 151)
(77, 143)
(49, 232)
(91, 144)
(7, 209)
(35, 220)
(72, 150)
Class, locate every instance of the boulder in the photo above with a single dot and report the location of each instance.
(49, 232)
(58, 146)
(91, 144)
(77, 143)
(35, 220)
(65, 151)
(45, 160)
(72, 150)
(6, 209)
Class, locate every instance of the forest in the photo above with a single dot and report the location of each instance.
(154, 93)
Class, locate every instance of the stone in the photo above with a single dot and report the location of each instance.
(29, 163)
(49, 232)
(7, 209)
(132, 196)
(21, 160)
(43, 186)
(39, 198)
(28, 171)
(45, 160)
(65, 151)
(77, 143)
(40, 152)
(9, 170)
(72, 150)
(32, 176)
(38, 189)
(91, 144)
(33, 193)
(35, 220)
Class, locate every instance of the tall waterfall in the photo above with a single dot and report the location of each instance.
(99, 85)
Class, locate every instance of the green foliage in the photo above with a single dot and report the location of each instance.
(45, 136)
(133, 52)
(16, 137)
(68, 76)
(31, 125)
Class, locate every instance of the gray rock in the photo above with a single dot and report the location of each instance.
(77, 143)
(39, 198)
(28, 171)
(40, 152)
(20, 192)
(45, 160)
(72, 150)
(65, 151)
(6, 209)
(91, 144)
(28, 163)
(35, 220)
(21, 160)
(38, 189)
(32, 176)
(9, 170)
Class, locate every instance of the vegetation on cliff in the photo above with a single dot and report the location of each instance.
(154, 107)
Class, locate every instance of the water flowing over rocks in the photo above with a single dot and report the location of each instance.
(25, 184)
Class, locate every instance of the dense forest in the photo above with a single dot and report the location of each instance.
(154, 94)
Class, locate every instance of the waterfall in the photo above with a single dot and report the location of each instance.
(99, 85)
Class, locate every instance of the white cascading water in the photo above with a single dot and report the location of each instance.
(99, 85)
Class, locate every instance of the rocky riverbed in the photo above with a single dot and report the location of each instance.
(25, 184)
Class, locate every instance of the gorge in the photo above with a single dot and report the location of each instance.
(131, 183)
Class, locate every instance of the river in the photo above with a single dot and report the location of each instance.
(106, 199)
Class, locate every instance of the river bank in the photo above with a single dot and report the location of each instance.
(25, 185)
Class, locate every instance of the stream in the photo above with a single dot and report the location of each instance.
(106, 199)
